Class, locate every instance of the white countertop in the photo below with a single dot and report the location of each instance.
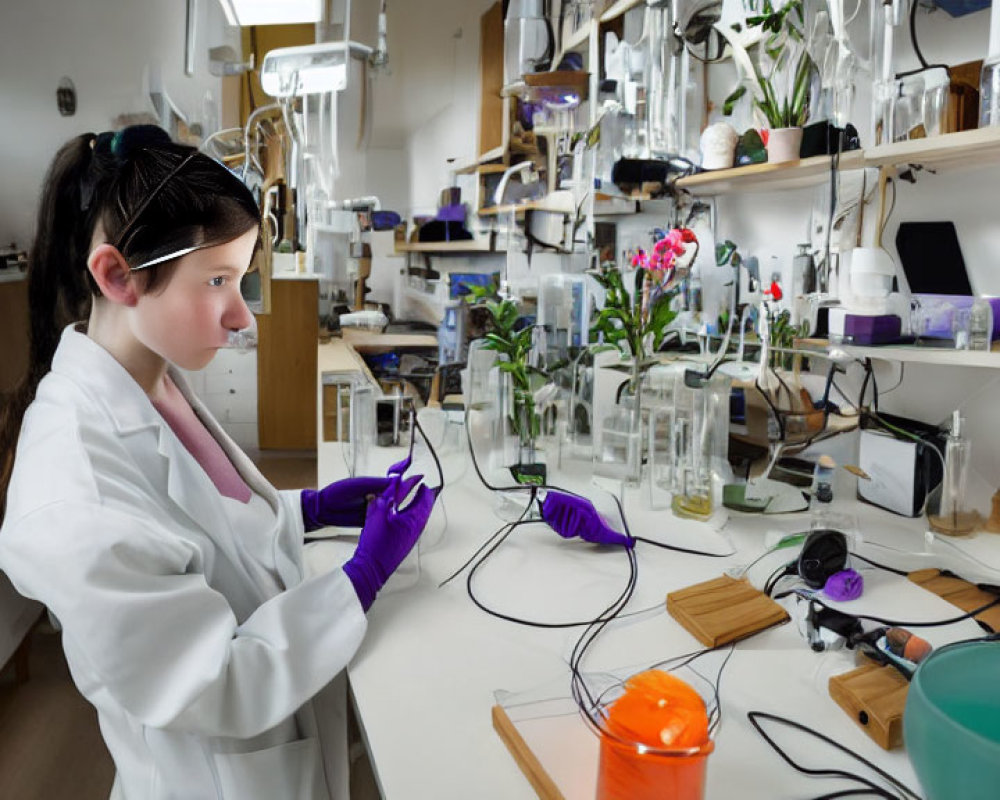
(424, 678)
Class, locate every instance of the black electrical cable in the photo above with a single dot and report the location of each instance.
(904, 624)
(902, 572)
(535, 488)
(776, 576)
(916, 47)
(533, 623)
(878, 791)
(490, 539)
(677, 549)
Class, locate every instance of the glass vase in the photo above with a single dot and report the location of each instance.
(618, 455)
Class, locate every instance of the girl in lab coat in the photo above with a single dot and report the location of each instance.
(172, 566)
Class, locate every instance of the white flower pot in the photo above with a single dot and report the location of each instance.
(783, 144)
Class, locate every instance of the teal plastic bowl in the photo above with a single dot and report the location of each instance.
(951, 724)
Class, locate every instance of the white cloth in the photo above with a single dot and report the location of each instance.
(207, 679)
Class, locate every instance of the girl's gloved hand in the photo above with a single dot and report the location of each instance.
(387, 537)
(343, 503)
(569, 516)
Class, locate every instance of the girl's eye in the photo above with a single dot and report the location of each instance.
(218, 280)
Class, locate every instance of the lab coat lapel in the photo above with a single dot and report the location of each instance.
(288, 569)
(112, 388)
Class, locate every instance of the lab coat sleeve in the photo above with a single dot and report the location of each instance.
(151, 633)
(291, 499)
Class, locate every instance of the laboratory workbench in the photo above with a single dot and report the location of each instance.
(427, 675)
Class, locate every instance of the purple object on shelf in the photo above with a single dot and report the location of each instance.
(452, 213)
(936, 312)
(880, 329)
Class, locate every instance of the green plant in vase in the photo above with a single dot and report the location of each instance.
(636, 323)
(526, 382)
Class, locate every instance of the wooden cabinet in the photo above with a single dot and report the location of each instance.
(286, 371)
(13, 333)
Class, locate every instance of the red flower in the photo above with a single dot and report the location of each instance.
(687, 235)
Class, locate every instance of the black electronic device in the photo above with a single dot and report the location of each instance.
(824, 553)
(932, 258)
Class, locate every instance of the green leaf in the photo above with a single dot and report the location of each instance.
(730, 102)
(724, 251)
(496, 342)
(660, 316)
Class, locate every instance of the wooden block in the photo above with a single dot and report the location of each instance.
(874, 697)
(723, 610)
(526, 760)
(959, 593)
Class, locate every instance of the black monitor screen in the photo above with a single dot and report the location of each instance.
(932, 259)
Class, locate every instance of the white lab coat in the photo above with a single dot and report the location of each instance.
(207, 681)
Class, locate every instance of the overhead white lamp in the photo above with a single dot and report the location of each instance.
(245, 13)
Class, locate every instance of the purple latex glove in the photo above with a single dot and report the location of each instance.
(388, 536)
(571, 516)
(343, 503)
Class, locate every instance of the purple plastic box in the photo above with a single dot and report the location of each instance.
(880, 329)
(936, 312)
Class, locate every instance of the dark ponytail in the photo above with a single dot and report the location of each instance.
(149, 196)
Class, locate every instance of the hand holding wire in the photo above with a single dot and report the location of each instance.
(570, 515)
(390, 532)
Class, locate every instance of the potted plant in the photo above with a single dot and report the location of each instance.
(775, 67)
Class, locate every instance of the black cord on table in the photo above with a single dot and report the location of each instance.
(755, 716)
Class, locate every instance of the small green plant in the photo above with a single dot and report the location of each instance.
(515, 346)
(783, 335)
(773, 63)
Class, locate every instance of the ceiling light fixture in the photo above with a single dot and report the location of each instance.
(245, 13)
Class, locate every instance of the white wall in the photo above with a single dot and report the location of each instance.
(104, 47)
(769, 225)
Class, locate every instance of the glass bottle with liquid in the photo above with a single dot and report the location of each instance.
(954, 516)
(980, 324)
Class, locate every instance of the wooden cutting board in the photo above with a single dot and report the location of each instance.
(724, 610)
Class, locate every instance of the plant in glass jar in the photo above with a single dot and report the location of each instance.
(635, 324)
(530, 387)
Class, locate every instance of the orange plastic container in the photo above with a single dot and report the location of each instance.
(635, 772)
(655, 741)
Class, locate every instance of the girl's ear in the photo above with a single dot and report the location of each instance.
(113, 276)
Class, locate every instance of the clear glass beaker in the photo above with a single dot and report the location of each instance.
(619, 455)
(662, 478)
(699, 438)
(363, 428)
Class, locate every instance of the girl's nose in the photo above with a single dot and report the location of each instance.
(238, 315)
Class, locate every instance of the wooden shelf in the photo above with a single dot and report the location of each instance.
(973, 148)
(799, 174)
(483, 161)
(618, 8)
(495, 211)
(914, 354)
(446, 248)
